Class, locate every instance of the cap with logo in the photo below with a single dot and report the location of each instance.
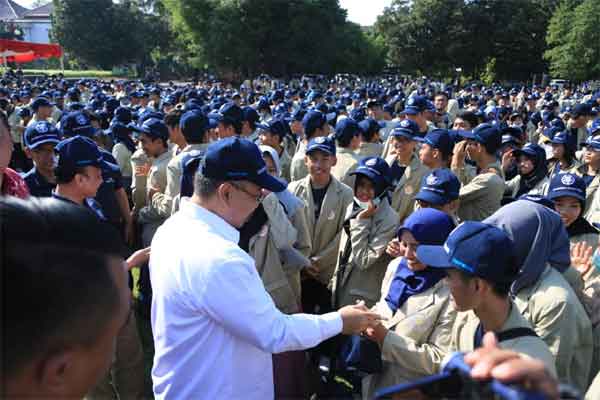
(229, 113)
(439, 187)
(593, 142)
(486, 134)
(406, 128)
(313, 120)
(275, 126)
(377, 170)
(370, 126)
(438, 139)
(321, 143)
(77, 123)
(476, 248)
(42, 132)
(566, 184)
(415, 105)
(234, 159)
(81, 151)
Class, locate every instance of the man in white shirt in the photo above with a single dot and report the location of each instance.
(214, 325)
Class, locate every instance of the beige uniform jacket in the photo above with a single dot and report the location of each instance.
(541, 188)
(403, 197)
(298, 169)
(481, 197)
(326, 231)
(285, 162)
(277, 234)
(165, 200)
(369, 150)
(123, 156)
(466, 325)
(418, 337)
(157, 178)
(360, 278)
(560, 320)
(347, 161)
(139, 180)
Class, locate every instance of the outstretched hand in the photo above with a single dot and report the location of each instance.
(358, 318)
(581, 257)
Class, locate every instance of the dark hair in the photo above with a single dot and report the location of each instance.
(56, 276)
(500, 289)
(173, 117)
(344, 141)
(470, 117)
(441, 94)
(65, 174)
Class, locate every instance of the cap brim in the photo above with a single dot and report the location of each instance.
(434, 256)
(41, 142)
(412, 111)
(552, 195)
(466, 134)
(269, 182)
(324, 149)
(215, 116)
(431, 197)
(404, 134)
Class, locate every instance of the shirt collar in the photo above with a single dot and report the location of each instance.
(163, 156)
(215, 222)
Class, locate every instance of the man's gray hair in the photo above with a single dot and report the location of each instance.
(205, 187)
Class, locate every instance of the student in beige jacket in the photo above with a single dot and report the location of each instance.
(370, 141)
(347, 137)
(414, 300)
(369, 225)
(326, 201)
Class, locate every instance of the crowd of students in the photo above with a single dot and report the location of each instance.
(449, 212)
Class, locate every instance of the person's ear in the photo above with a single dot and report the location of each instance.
(224, 192)
(53, 373)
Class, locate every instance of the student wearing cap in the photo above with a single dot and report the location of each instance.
(370, 142)
(440, 190)
(415, 301)
(436, 149)
(533, 171)
(298, 130)
(42, 110)
(172, 120)
(209, 301)
(315, 125)
(272, 134)
(229, 118)
(154, 137)
(563, 153)
(122, 150)
(369, 225)
(590, 172)
(326, 200)
(479, 278)
(406, 171)
(544, 289)
(250, 119)
(481, 195)
(415, 109)
(194, 126)
(40, 141)
(347, 138)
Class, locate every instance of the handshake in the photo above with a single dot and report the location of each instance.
(358, 318)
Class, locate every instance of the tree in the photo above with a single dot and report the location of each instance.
(247, 37)
(574, 40)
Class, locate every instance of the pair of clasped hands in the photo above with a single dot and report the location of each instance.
(358, 319)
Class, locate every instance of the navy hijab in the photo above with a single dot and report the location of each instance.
(431, 227)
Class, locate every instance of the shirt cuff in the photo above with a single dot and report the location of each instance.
(331, 324)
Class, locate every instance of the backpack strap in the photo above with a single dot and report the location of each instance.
(515, 333)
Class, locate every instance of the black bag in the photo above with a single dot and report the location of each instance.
(359, 353)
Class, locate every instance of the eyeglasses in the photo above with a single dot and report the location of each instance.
(258, 198)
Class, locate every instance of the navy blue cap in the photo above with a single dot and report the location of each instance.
(321, 143)
(370, 126)
(346, 128)
(428, 226)
(250, 115)
(358, 114)
(595, 127)
(40, 133)
(486, 134)
(530, 150)
(561, 137)
(40, 102)
(153, 127)
(582, 109)
(567, 184)
(119, 129)
(24, 112)
(406, 128)
(234, 158)
(299, 114)
(539, 199)
(81, 151)
(275, 126)
(193, 104)
(476, 248)
(194, 123)
(77, 123)
(438, 139)
(229, 113)
(377, 170)
(593, 142)
(123, 115)
(313, 120)
(439, 187)
(415, 105)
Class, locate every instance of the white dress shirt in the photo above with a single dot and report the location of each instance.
(214, 325)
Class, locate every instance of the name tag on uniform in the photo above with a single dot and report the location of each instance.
(331, 216)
